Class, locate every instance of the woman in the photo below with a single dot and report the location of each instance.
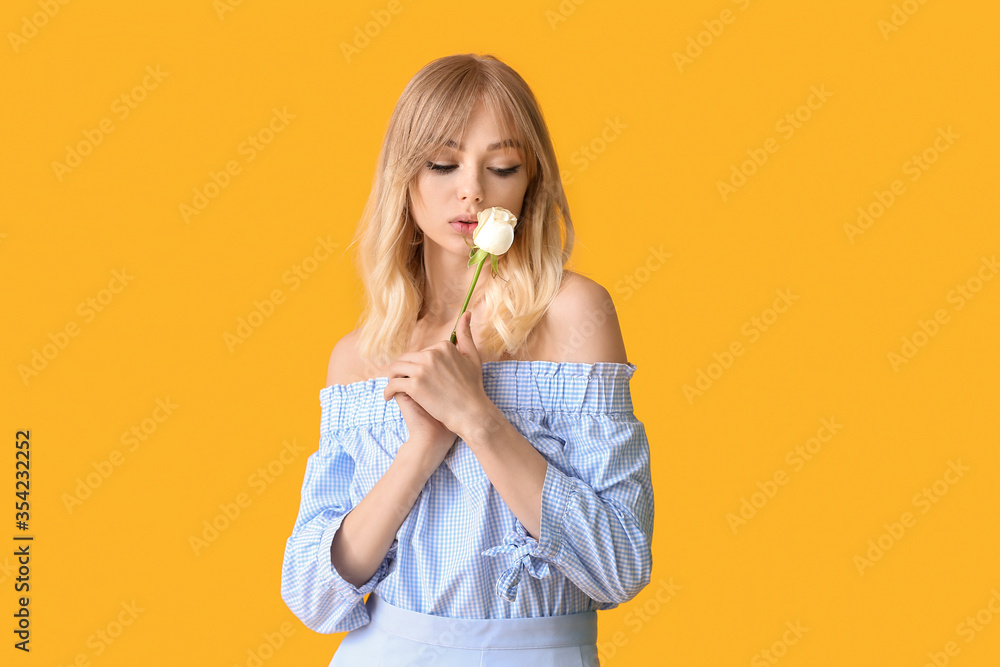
(492, 494)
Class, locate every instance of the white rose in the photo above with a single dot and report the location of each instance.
(495, 231)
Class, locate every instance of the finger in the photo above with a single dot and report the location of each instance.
(402, 368)
(394, 386)
(466, 345)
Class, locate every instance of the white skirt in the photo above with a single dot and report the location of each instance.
(397, 637)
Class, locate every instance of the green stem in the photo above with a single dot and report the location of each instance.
(479, 267)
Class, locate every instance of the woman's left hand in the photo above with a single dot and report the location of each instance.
(445, 379)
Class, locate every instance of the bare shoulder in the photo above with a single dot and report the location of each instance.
(581, 324)
(346, 364)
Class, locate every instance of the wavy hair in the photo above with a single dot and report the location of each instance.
(435, 106)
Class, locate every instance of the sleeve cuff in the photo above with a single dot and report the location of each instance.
(341, 586)
(528, 554)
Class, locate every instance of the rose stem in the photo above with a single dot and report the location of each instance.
(479, 267)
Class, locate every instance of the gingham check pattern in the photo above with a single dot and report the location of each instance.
(460, 552)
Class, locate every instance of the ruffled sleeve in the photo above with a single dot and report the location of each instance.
(311, 587)
(597, 498)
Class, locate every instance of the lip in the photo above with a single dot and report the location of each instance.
(463, 227)
(459, 225)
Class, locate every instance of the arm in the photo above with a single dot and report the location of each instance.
(368, 531)
(338, 552)
(587, 505)
(595, 511)
(311, 587)
(597, 516)
(512, 464)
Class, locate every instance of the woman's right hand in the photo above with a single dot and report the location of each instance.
(428, 435)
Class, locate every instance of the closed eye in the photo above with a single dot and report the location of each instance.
(447, 168)
(444, 168)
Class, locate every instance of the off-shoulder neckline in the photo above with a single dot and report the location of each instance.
(512, 363)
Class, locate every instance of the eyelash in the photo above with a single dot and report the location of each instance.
(447, 168)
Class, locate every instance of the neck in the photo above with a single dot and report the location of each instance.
(446, 284)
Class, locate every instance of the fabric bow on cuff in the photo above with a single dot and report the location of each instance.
(520, 546)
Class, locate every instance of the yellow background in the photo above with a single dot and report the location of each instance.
(653, 186)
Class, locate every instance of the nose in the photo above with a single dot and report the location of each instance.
(470, 186)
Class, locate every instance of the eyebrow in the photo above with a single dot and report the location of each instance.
(492, 147)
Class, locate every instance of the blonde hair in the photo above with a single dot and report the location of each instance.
(435, 106)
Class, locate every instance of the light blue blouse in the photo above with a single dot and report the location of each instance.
(461, 552)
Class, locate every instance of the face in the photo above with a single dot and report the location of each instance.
(470, 174)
